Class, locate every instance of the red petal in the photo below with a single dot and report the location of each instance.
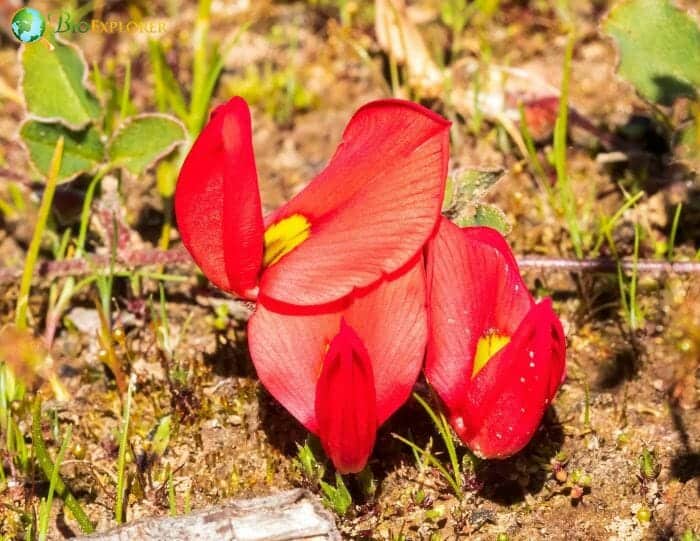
(474, 286)
(346, 403)
(390, 319)
(371, 209)
(217, 201)
(508, 397)
(288, 351)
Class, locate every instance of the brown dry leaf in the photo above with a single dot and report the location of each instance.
(399, 37)
(498, 91)
(29, 361)
(23, 353)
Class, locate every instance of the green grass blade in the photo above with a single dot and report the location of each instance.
(533, 159)
(172, 503)
(674, 230)
(213, 77)
(435, 462)
(609, 224)
(167, 91)
(35, 244)
(566, 194)
(47, 466)
(121, 461)
(450, 444)
(444, 429)
(200, 66)
(46, 504)
(126, 91)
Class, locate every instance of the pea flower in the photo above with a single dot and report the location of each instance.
(342, 370)
(494, 356)
(366, 215)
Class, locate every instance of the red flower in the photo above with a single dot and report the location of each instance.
(343, 370)
(495, 358)
(366, 215)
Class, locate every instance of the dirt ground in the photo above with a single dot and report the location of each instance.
(627, 390)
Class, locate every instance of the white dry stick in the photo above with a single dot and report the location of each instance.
(399, 38)
(286, 516)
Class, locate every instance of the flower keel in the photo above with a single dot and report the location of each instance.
(346, 402)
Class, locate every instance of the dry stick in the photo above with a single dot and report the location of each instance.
(286, 516)
(135, 259)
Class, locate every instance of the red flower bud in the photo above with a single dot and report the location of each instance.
(495, 358)
(346, 409)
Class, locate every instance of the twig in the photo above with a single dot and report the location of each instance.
(128, 260)
(152, 257)
(608, 265)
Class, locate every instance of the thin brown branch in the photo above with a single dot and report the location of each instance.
(608, 265)
(138, 259)
(128, 260)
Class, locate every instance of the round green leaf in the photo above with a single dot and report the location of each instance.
(659, 48)
(82, 152)
(143, 140)
(53, 83)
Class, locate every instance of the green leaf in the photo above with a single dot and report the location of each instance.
(474, 183)
(659, 48)
(337, 497)
(489, 216)
(454, 13)
(143, 139)
(82, 153)
(466, 188)
(312, 469)
(160, 437)
(53, 83)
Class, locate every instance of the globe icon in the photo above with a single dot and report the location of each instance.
(28, 25)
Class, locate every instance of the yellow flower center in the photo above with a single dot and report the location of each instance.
(486, 348)
(282, 237)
